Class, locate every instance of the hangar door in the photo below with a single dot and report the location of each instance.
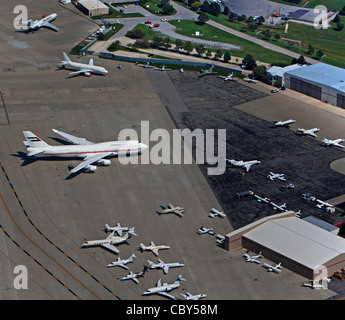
(340, 101)
(305, 88)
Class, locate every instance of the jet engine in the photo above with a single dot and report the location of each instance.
(104, 162)
(88, 74)
(90, 168)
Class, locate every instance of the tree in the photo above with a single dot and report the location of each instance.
(166, 43)
(253, 26)
(218, 54)
(179, 44)
(310, 49)
(200, 49)
(277, 36)
(267, 34)
(249, 61)
(215, 9)
(157, 42)
(135, 34)
(205, 7)
(196, 5)
(339, 27)
(168, 9)
(208, 53)
(300, 60)
(203, 18)
(226, 10)
(319, 54)
(227, 57)
(260, 73)
(188, 46)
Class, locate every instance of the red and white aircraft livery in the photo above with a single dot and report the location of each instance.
(82, 148)
(44, 22)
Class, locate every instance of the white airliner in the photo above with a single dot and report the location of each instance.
(110, 241)
(283, 123)
(279, 176)
(152, 247)
(82, 68)
(243, 164)
(162, 289)
(90, 152)
(189, 296)
(336, 142)
(165, 266)
(118, 229)
(214, 213)
(310, 132)
(229, 77)
(44, 22)
(275, 269)
(172, 209)
(253, 258)
(164, 68)
(122, 262)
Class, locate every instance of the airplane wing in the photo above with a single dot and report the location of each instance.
(49, 25)
(135, 280)
(247, 166)
(155, 251)
(80, 71)
(166, 295)
(166, 269)
(339, 145)
(110, 247)
(73, 139)
(89, 160)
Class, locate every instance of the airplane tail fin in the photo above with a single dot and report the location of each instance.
(150, 263)
(65, 57)
(32, 141)
(180, 278)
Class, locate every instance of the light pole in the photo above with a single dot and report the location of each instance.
(256, 36)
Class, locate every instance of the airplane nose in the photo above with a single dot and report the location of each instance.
(143, 146)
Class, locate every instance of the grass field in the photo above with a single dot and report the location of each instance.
(333, 5)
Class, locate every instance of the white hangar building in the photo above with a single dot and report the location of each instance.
(300, 246)
(321, 81)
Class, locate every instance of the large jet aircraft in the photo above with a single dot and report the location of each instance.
(162, 289)
(189, 296)
(335, 143)
(310, 132)
(243, 164)
(122, 262)
(152, 247)
(208, 71)
(44, 22)
(82, 68)
(82, 148)
(165, 266)
(283, 123)
(110, 241)
(172, 209)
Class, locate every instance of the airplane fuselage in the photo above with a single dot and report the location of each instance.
(82, 66)
(39, 23)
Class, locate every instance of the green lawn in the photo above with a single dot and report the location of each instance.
(153, 7)
(333, 5)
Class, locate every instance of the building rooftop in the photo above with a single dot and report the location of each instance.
(280, 71)
(93, 4)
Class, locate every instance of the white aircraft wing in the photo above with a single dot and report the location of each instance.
(247, 166)
(166, 269)
(162, 293)
(49, 25)
(155, 251)
(89, 160)
(339, 145)
(73, 139)
(80, 71)
(110, 247)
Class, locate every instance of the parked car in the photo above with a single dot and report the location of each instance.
(148, 22)
(274, 90)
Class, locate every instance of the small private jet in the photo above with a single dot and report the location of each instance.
(134, 276)
(172, 209)
(189, 296)
(270, 268)
(117, 228)
(279, 176)
(122, 263)
(253, 258)
(165, 266)
(162, 289)
(110, 241)
(321, 204)
(89, 151)
(152, 247)
(260, 199)
(82, 68)
(44, 22)
(203, 230)
(335, 143)
(243, 164)
(214, 213)
(310, 132)
(163, 68)
(283, 123)
(230, 77)
(278, 207)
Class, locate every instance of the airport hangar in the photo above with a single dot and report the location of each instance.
(92, 7)
(300, 246)
(321, 81)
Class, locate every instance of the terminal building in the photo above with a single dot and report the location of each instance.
(92, 7)
(300, 246)
(321, 81)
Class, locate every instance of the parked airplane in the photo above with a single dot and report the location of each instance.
(214, 212)
(172, 209)
(279, 176)
(253, 258)
(220, 239)
(275, 269)
(321, 204)
(230, 76)
(162, 289)
(207, 72)
(147, 65)
(164, 68)
(250, 80)
(283, 123)
(89, 151)
(243, 164)
(44, 22)
(82, 68)
(118, 229)
(110, 241)
(203, 230)
(259, 199)
(189, 296)
(122, 263)
(310, 132)
(134, 276)
(152, 247)
(275, 206)
(333, 142)
(165, 266)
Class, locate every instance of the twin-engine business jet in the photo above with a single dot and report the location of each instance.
(162, 289)
(243, 164)
(310, 132)
(89, 151)
(44, 22)
(283, 123)
(82, 68)
(336, 142)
